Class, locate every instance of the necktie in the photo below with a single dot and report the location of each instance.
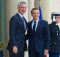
(34, 26)
(24, 23)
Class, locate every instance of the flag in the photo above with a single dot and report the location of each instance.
(40, 17)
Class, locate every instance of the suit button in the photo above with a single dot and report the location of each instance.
(57, 33)
(55, 43)
(59, 38)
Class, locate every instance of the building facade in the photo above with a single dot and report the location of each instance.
(9, 8)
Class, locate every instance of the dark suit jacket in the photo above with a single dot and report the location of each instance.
(16, 33)
(41, 38)
(55, 38)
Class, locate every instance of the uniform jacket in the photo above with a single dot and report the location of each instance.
(55, 38)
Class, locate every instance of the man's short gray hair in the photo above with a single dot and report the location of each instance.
(20, 3)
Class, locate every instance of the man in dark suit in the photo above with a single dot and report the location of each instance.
(55, 37)
(17, 29)
(38, 35)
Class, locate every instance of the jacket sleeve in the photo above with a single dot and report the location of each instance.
(29, 33)
(47, 37)
(12, 30)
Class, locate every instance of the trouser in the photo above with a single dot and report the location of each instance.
(1, 54)
(20, 54)
(33, 53)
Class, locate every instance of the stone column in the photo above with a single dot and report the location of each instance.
(37, 3)
(49, 6)
(46, 10)
(30, 6)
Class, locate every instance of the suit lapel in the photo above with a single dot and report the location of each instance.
(20, 21)
(39, 25)
(19, 17)
(30, 26)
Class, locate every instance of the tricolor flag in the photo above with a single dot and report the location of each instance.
(40, 17)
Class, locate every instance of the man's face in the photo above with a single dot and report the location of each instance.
(35, 14)
(58, 19)
(22, 9)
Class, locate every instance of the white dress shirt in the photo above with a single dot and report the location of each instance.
(20, 15)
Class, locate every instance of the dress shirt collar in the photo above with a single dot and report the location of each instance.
(58, 25)
(20, 14)
(36, 21)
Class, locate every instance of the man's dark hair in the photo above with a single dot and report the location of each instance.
(34, 9)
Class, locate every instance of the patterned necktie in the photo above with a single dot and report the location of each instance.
(24, 23)
(34, 26)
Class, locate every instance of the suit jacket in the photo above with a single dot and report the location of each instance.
(16, 33)
(55, 37)
(41, 38)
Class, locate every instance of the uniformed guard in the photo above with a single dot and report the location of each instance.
(55, 37)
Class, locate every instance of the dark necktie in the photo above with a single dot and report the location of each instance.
(34, 26)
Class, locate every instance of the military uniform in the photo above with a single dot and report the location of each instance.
(55, 40)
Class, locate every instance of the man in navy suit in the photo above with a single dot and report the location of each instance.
(38, 35)
(17, 29)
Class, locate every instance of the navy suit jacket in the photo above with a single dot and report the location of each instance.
(41, 38)
(16, 33)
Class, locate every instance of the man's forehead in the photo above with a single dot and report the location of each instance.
(57, 16)
(36, 10)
